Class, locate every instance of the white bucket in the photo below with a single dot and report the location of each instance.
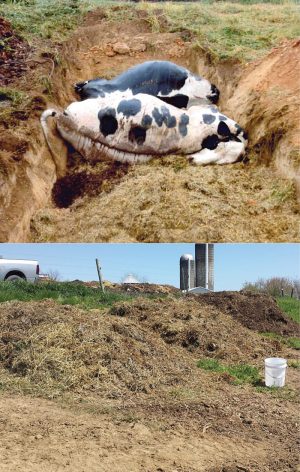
(275, 368)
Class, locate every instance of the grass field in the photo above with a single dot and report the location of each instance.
(290, 306)
(243, 30)
(66, 293)
(241, 373)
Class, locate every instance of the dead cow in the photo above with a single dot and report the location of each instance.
(137, 128)
(165, 80)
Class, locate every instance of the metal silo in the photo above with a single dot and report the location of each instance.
(210, 268)
(201, 261)
(204, 256)
(187, 272)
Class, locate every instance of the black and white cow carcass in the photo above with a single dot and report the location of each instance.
(171, 83)
(137, 128)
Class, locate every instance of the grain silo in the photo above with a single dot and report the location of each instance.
(204, 258)
(187, 272)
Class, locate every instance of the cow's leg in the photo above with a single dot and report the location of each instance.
(206, 156)
(225, 153)
(232, 152)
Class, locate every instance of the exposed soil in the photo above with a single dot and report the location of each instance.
(162, 200)
(13, 53)
(256, 311)
(67, 189)
(129, 396)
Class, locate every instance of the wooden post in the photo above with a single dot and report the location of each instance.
(99, 275)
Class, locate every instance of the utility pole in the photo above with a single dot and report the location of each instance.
(99, 275)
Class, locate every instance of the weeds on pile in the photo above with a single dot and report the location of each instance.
(66, 293)
(13, 105)
(240, 373)
(293, 342)
(13, 96)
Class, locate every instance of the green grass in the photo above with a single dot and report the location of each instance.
(243, 30)
(293, 342)
(290, 306)
(15, 97)
(65, 293)
(241, 373)
(230, 30)
(43, 18)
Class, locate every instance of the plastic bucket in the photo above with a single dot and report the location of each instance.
(275, 369)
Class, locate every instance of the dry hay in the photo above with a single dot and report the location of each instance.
(159, 203)
(137, 347)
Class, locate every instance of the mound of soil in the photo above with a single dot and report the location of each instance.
(62, 348)
(144, 288)
(137, 288)
(13, 53)
(133, 347)
(256, 311)
(203, 329)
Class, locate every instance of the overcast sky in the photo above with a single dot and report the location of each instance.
(159, 263)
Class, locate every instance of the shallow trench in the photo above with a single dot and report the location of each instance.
(260, 96)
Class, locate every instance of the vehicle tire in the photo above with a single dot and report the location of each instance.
(14, 278)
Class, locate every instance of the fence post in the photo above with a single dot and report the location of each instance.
(99, 275)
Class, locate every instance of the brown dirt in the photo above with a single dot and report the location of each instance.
(13, 53)
(162, 200)
(256, 311)
(79, 184)
(129, 395)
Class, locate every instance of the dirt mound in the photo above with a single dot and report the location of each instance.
(136, 288)
(201, 329)
(256, 311)
(62, 348)
(13, 53)
(141, 288)
(133, 347)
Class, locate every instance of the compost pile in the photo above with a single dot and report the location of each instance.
(132, 347)
(145, 288)
(256, 311)
(132, 288)
(13, 53)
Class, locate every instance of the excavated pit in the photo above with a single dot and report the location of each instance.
(161, 200)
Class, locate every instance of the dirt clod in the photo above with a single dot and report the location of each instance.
(79, 184)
